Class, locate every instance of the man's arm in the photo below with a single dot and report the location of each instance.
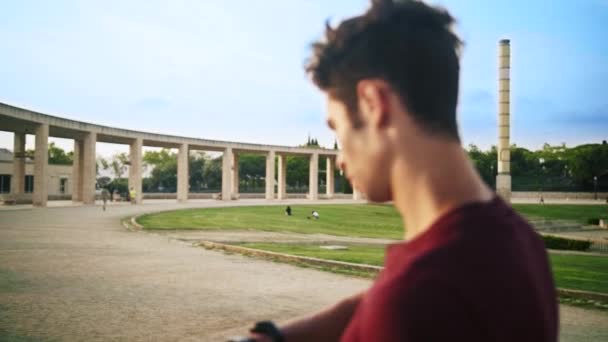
(326, 325)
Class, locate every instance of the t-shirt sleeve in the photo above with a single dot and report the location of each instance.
(427, 309)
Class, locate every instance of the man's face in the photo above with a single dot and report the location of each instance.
(365, 154)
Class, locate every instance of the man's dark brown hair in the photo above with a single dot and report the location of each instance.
(408, 44)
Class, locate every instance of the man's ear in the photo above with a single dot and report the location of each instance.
(373, 101)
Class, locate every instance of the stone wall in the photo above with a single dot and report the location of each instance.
(559, 195)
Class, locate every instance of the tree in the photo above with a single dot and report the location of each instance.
(196, 167)
(485, 162)
(102, 163)
(57, 155)
(552, 168)
(588, 161)
(118, 164)
(163, 177)
(212, 173)
(252, 171)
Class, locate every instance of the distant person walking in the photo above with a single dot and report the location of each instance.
(105, 195)
(115, 196)
(132, 195)
(288, 211)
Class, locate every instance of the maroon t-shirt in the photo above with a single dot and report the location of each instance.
(479, 273)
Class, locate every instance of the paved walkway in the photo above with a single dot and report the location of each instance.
(74, 273)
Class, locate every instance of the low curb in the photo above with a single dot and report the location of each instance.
(587, 295)
(289, 258)
(134, 222)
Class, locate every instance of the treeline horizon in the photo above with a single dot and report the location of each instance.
(551, 168)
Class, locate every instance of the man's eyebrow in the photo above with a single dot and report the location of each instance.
(330, 123)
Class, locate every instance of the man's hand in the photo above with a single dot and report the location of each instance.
(252, 338)
(327, 325)
(260, 337)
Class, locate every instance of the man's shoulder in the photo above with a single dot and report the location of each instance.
(492, 223)
(489, 238)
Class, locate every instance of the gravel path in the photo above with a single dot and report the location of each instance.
(74, 273)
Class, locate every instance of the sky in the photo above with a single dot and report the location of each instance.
(234, 70)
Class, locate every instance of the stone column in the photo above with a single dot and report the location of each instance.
(41, 158)
(226, 174)
(282, 178)
(234, 175)
(330, 179)
(77, 164)
(313, 180)
(503, 178)
(270, 175)
(357, 195)
(182, 173)
(18, 178)
(135, 168)
(89, 168)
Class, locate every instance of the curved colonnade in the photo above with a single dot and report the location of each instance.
(21, 122)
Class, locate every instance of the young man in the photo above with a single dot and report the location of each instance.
(133, 195)
(472, 269)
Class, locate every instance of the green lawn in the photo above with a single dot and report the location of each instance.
(377, 221)
(362, 220)
(370, 255)
(579, 213)
(579, 272)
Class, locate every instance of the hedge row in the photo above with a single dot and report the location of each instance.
(554, 242)
(595, 220)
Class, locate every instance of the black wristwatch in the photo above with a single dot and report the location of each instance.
(269, 329)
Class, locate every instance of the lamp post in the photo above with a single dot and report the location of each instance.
(492, 175)
(542, 180)
(595, 187)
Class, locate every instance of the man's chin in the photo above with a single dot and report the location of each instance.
(379, 196)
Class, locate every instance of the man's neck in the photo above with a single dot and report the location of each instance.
(429, 182)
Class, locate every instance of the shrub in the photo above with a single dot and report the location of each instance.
(595, 220)
(554, 242)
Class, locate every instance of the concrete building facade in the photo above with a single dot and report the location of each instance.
(59, 178)
(22, 122)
